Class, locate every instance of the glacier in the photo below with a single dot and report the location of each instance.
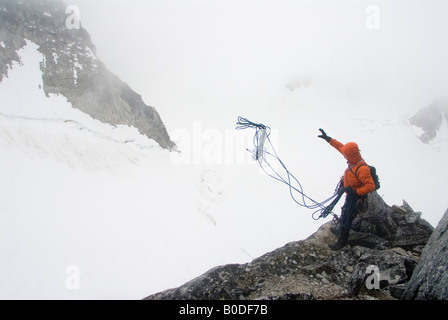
(134, 221)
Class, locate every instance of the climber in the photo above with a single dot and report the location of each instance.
(358, 183)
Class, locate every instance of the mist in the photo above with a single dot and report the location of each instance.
(358, 69)
(205, 59)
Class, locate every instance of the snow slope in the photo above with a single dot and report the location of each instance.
(111, 203)
(92, 211)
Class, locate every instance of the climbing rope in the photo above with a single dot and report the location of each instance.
(261, 154)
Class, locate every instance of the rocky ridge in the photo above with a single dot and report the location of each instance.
(71, 67)
(385, 246)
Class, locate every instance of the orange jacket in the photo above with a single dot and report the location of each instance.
(362, 182)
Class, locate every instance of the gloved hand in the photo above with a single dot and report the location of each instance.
(324, 136)
(350, 191)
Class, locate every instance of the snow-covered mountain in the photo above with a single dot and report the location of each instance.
(78, 192)
(70, 66)
(98, 210)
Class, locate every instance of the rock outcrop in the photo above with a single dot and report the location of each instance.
(429, 280)
(71, 68)
(384, 248)
(383, 227)
(430, 119)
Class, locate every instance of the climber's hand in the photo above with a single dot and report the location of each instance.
(324, 136)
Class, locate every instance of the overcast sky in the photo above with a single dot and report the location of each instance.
(203, 53)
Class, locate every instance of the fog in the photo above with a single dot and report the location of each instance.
(209, 59)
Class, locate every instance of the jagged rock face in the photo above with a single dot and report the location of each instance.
(309, 269)
(430, 119)
(383, 227)
(430, 278)
(71, 68)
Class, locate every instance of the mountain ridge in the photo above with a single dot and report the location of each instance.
(384, 248)
(71, 67)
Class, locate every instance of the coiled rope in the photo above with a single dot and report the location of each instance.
(261, 154)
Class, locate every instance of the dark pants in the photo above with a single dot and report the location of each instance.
(348, 212)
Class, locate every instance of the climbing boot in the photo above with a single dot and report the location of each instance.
(338, 245)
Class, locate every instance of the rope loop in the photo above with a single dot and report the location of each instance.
(262, 155)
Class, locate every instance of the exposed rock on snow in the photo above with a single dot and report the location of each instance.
(71, 68)
(431, 119)
(383, 240)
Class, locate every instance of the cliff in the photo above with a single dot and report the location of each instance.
(71, 67)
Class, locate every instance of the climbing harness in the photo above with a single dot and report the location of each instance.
(261, 154)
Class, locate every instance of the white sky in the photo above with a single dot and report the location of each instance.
(198, 57)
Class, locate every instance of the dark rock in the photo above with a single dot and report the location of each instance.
(368, 240)
(407, 208)
(292, 296)
(382, 227)
(377, 220)
(411, 235)
(397, 290)
(429, 280)
(392, 269)
(399, 210)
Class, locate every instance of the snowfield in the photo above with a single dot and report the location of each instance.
(92, 211)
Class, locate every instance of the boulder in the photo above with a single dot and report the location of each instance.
(384, 227)
(393, 268)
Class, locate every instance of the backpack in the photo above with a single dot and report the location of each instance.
(373, 173)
